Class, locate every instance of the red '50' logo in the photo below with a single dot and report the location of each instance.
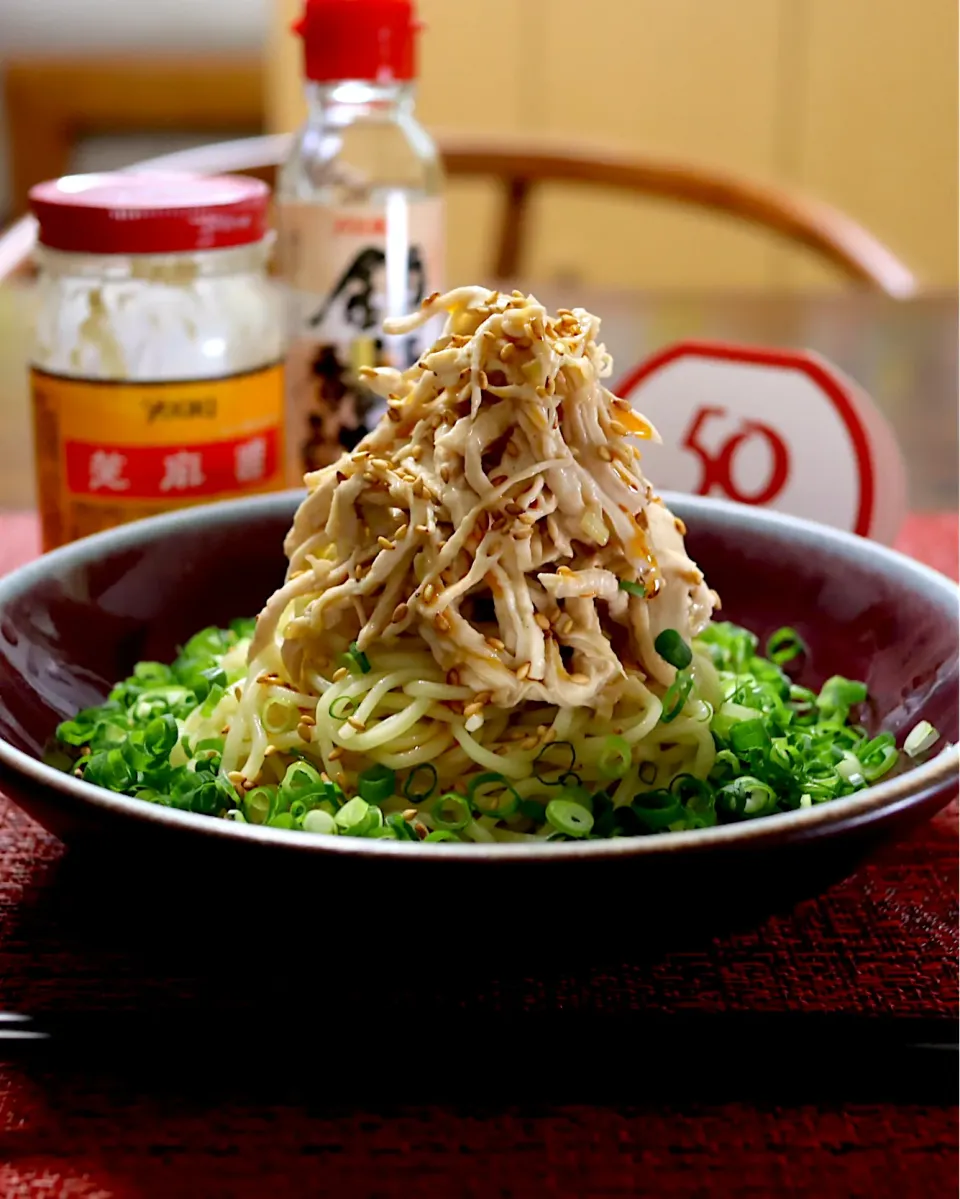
(719, 467)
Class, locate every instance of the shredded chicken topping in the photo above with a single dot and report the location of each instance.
(496, 512)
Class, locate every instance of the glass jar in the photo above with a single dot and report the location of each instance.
(156, 366)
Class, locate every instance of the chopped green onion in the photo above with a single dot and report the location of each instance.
(503, 804)
(403, 829)
(532, 810)
(355, 659)
(684, 786)
(697, 798)
(441, 834)
(110, 769)
(203, 681)
(376, 784)
(569, 818)
(160, 736)
(318, 821)
(632, 588)
(214, 697)
(75, 732)
(749, 734)
(747, 796)
(838, 695)
(579, 795)
(673, 649)
(730, 647)
(615, 758)
(154, 674)
(802, 699)
(784, 645)
(676, 696)
(258, 804)
(356, 818)
(920, 738)
(342, 707)
(603, 823)
(779, 747)
(208, 643)
(243, 627)
(209, 797)
(451, 812)
(418, 793)
(657, 810)
(878, 756)
(545, 760)
(725, 766)
(207, 745)
(300, 777)
(134, 752)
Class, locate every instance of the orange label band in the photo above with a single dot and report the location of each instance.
(108, 453)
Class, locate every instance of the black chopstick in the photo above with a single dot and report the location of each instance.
(571, 1056)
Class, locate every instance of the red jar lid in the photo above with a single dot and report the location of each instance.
(374, 40)
(150, 212)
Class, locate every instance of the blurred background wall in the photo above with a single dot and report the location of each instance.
(854, 101)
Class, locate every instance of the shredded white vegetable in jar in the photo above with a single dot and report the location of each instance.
(156, 318)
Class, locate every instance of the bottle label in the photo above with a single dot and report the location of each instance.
(347, 270)
(108, 453)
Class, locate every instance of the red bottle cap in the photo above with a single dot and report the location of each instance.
(359, 39)
(150, 212)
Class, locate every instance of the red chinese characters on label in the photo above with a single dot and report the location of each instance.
(158, 472)
(108, 453)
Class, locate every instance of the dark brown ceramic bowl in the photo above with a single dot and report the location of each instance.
(76, 620)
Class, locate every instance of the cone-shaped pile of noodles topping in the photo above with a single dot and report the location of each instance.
(491, 554)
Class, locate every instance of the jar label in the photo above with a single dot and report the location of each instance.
(108, 453)
(347, 270)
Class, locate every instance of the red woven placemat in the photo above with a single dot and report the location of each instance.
(121, 1146)
(884, 943)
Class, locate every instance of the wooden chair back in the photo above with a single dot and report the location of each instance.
(521, 168)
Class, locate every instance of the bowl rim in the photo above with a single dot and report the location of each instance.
(891, 794)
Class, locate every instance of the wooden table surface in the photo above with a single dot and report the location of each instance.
(904, 353)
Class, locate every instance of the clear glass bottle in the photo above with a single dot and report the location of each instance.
(360, 221)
